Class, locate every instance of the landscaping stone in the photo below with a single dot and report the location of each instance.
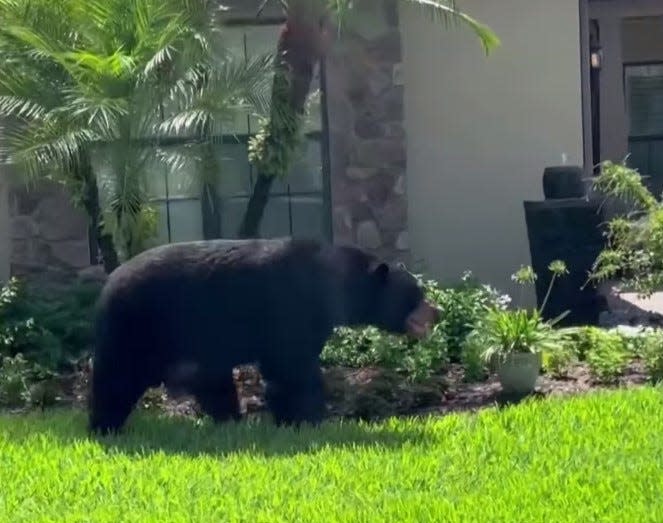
(361, 173)
(94, 273)
(57, 219)
(626, 309)
(386, 152)
(49, 235)
(368, 235)
(403, 241)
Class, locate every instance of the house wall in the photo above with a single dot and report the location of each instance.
(610, 15)
(482, 129)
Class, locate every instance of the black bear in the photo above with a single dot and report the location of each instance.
(186, 314)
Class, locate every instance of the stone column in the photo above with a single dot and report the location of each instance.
(367, 138)
(49, 236)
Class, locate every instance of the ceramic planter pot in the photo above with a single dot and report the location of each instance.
(518, 372)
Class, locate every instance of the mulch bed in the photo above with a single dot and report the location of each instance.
(373, 393)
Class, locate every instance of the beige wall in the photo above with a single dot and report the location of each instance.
(482, 129)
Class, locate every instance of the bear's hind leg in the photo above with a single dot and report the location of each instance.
(217, 397)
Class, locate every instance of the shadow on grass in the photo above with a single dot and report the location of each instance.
(147, 433)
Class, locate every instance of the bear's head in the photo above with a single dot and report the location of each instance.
(398, 304)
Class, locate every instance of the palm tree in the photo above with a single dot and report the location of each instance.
(87, 79)
(304, 41)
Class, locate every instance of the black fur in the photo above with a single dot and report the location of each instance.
(186, 314)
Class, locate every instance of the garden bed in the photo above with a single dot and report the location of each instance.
(369, 374)
(373, 393)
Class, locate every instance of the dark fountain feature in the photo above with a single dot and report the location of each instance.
(567, 225)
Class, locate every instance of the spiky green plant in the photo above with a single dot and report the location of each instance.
(503, 332)
(83, 80)
(634, 250)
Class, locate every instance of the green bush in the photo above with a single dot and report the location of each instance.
(557, 360)
(462, 307)
(50, 326)
(652, 354)
(634, 250)
(474, 366)
(604, 351)
(18, 378)
(371, 347)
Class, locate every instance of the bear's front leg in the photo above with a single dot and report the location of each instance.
(114, 391)
(295, 395)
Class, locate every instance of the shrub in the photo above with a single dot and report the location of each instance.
(557, 360)
(360, 348)
(18, 378)
(652, 354)
(633, 338)
(50, 326)
(368, 347)
(604, 351)
(634, 250)
(474, 366)
(462, 307)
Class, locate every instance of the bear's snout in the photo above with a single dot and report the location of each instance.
(421, 320)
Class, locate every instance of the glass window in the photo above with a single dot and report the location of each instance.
(297, 203)
(234, 174)
(644, 99)
(644, 88)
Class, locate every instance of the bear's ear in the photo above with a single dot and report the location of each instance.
(381, 272)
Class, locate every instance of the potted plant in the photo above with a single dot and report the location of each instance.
(513, 340)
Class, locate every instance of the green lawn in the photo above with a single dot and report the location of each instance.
(592, 458)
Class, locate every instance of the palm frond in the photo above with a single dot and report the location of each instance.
(447, 11)
(213, 94)
(50, 147)
(21, 108)
(95, 111)
(187, 122)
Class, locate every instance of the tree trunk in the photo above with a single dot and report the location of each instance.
(303, 41)
(90, 199)
(209, 196)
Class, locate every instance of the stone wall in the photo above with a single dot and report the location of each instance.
(48, 235)
(367, 138)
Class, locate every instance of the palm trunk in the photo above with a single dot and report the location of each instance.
(85, 174)
(301, 45)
